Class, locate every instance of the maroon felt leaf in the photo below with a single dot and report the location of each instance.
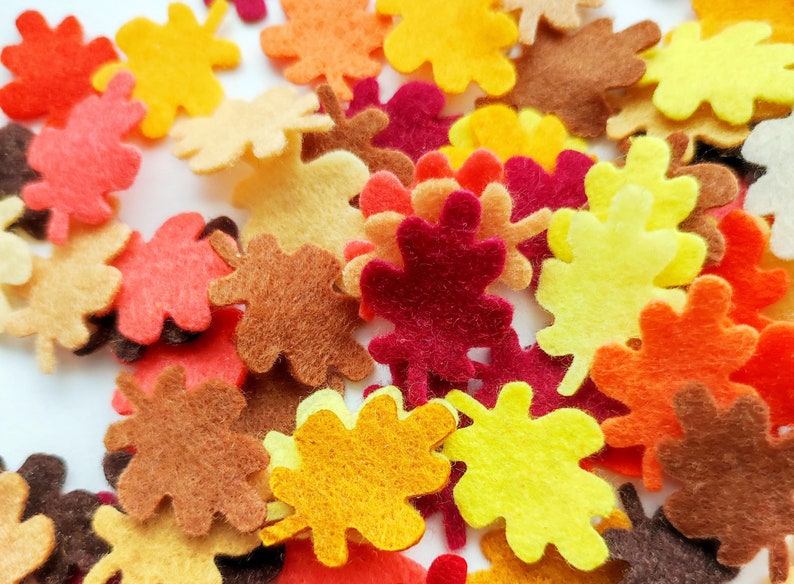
(443, 502)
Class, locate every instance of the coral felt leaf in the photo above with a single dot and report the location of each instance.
(16, 260)
(559, 14)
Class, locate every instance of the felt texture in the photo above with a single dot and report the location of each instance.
(261, 566)
(478, 171)
(355, 135)
(658, 554)
(239, 127)
(249, 11)
(416, 125)
(542, 494)
(736, 479)
(86, 161)
(113, 464)
(329, 39)
(185, 450)
(783, 308)
(295, 201)
(730, 71)
(366, 565)
(716, 15)
(24, 544)
(52, 68)
(368, 468)
(444, 502)
(437, 302)
(754, 288)
(15, 173)
(212, 355)
(463, 40)
(568, 75)
(447, 569)
(76, 547)
(771, 145)
(149, 291)
(66, 288)
(508, 133)
(158, 551)
(646, 380)
(589, 305)
(16, 259)
(173, 64)
(292, 309)
(558, 14)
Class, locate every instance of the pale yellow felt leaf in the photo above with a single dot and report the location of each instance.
(16, 260)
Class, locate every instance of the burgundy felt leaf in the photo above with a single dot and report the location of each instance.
(248, 11)
(443, 502)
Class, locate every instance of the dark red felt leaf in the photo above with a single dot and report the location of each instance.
(443, 502)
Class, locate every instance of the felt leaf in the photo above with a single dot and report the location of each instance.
(479, 170)
(261, 566)
(67, 287)
(292, 309)
(149, 291)
(369, 467)
(24, 545)
(737, 485)
(185, 449)
(158, 551)
(239, 127)
(558, 14)
(333, 40)
(86, 161)
(173, 64)
(656, 553)
(16, 261)
(53, 68)
(447, 569)
(568, 75)
(730, 71)
(507, 133)
(463, 40)
(15, 173)
(355, 135)
(646, 380)
(295, 201)
(717, 15)
(443, 287)
(248, 10)
(542, 494)
(444, 502)
(590, 306)
(416, 125)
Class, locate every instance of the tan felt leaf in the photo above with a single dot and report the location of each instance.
(16, 261)
(559, 14)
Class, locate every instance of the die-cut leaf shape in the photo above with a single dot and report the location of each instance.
(239, 127)
(292, 309)
(443, 282)
(247, 10)
(444, 502)
(331, 40)
(263, 565)
(185, 449)
(736, 477)
(86, 161)
(371, 465)
(16, 260)
(68, 287)
(559, 14)
(716, 15)
(149, 291)
(53, 68)
(541, 492)
(656, 553)
(158, 551)
(590, 306)
(173, 64)
(741, 66)
(462, 40)
(646, 380)
(24, 545)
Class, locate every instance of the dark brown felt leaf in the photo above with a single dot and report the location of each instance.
(738, 480)
(355, 134)
(15, 173)
(185, 449)
(261, 566)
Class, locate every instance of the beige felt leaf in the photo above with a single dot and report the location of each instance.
(16, 262)
(559, 14)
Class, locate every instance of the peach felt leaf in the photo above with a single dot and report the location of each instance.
(464, 41)
(173, 64)
(527, 472)
(16, 261)
(238, 126)
(368, 468)
(730, 70)
(598, 296)
(559, 14)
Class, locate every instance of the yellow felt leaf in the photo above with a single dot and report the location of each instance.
(238, 126)
(157, 551)
(506, 133)
(597, 296)
(559, 14)
(339, 477)
(716, 15)
(527, 472)
(730, 70)
(464, 40)
(173, 64)
(16, 261)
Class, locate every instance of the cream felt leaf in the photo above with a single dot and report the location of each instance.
(559, 14)
(527, 472)
(16, 261)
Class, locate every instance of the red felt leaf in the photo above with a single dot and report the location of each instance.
(448, 569)
(478, 171)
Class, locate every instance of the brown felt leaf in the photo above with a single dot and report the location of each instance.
(355, 134)
(185, 449)
(292, 309)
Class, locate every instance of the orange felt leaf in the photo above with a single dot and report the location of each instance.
(717, 15)
(699, 344)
